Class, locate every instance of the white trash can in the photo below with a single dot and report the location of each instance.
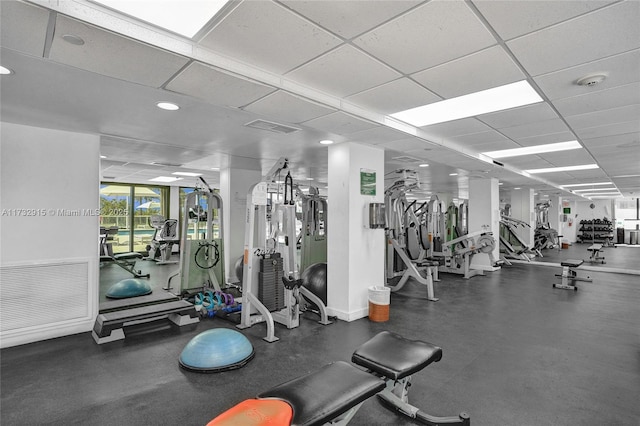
(379, 301)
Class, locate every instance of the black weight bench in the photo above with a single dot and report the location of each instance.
(334, 393)
(110, 326)
(126, 261)
(570, 275)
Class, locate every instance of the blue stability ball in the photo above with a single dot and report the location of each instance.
(131, 287)
(216, 350)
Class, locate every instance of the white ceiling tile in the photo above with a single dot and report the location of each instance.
(398, 95)
(377, 135)
(546, 138)
(408, 144)
(519, 116)
(463, 126)
(605, 117)
(496, 145)
(563, 158)
(602, 33)
(109, 54)
(429, 35)
(350, 18)
(535, 129)
(609, 130)
(340, 123)
(514, 18)
(23, 27)
(526, 162)
(606, 144)
(475, 139)
(482, 70)
(327, 73)
(269, 36)
(287, 107)
(619, 70)
(600, 100)
(218, 87)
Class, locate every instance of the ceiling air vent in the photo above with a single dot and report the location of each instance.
(271, 126)
(407, 159)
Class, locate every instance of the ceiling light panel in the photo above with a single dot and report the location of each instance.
(499, 98)
(536, 149)
(586, 184)
(563, 169)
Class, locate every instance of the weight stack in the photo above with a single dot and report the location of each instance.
(270, 286)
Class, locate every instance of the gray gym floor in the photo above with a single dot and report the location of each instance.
(516, 352)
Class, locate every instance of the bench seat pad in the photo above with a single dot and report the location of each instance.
(572, 263)
(395, 357)
(326, 393)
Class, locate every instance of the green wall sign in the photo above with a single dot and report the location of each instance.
(367, 182)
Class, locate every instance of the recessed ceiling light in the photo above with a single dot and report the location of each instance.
(586, 184)
(563, 169)
(483, 102)
(169, 106)
(215, 168)
(5, 71)
(517, 188)
(73, 39)
(165, 179)
(103, 156)
(326, 142)
(453, 174)
(183, 17)
(309, 178)
(423, 165)
(538, 149)
(500, 183)
(186, 174)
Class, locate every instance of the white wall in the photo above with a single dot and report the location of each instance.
(49, 183)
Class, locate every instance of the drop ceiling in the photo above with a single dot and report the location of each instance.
(334, 70)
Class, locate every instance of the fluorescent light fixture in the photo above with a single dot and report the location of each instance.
(588, 194)
(103, 156)
(423, 165)
(586, 184)
(483, 102)
(165, 179)
(190, 174)
(612, 196)
(538, 149)
(517, 188)
(5, 71)
(594, 189)
(453, 174)
(326, 142)
(500, 183)
(563, 169)
(169, 106)
(309, 178)
(183, 17)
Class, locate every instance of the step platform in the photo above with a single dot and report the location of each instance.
(109, 326)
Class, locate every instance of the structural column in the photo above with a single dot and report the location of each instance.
(523, 208)
(355, 253)
(236, 178)
(484, 215)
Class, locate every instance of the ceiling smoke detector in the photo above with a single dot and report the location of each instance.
(591, 80)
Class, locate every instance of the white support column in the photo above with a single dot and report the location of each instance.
(235, 181)
(484, 215)
(524, 209)
(555, 213)
(355, 254)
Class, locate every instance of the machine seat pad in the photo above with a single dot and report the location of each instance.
(428, 263)
(595, 247)
(326, 393)
(130, 255)
(255, 412)
(395, 357)
(572, 263)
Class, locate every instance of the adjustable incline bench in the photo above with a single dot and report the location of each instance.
(333, 394)
(126, 261)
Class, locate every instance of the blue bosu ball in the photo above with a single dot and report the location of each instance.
(216, 350)
(130, 287)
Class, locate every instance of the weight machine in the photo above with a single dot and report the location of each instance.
(164, 237)
(312, 239)
(201, 243)
(408, 241)
(271, 285)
